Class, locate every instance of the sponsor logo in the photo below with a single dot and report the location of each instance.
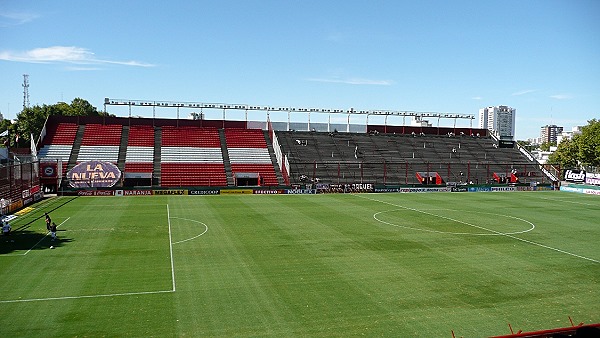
(170, 192)
(104, 193)
(300, 191)
(593, 179)
(95, 193)
(49, 171)
(480, 189)
(504, 189)
(267, 192)
(387, 189)
(591, 191)
(38, 196)
(94, 174)
(137, 192)
(204, 192)
(85, 193)
(405, 190)
(361, 186)
(236, 191)
(569, 189)
(574, 175)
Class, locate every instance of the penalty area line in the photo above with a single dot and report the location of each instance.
(493, 231)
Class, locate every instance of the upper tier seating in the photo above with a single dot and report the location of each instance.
(140, 149)
(191, 156)
(100, 142)
(248, 153)
(58, 143)
(61, 133)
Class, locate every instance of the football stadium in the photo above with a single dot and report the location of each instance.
(201, 227)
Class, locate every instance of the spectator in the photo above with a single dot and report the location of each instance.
(6, 228)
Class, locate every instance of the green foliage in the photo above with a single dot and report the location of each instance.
(32, 120)
(582, 150)
(565, 155)
(546, 146)
(4, 126)
(527, 145)
(589, 144)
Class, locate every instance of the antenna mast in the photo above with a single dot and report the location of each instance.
(25, 91)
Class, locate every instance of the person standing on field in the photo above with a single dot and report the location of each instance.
(53, 231)
(48, 221)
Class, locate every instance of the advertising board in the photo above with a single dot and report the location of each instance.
(94, 174)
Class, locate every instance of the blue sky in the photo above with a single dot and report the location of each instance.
(540, 57)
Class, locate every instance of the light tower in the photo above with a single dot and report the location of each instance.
(25, 91)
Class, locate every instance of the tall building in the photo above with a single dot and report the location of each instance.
(499, 120)
(550, 133)
(568, 135)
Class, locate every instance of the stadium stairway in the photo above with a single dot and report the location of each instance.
(123, 148)
(226, 160)
(278, 173)
(156, 173)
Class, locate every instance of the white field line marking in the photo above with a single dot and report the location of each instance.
(83, 297)
(125, 205)
(46, 235)
(567, 201)
(497, 232)
(171, 247)
(191, 238)
(489, 233)
(103, 295)
(492, 232)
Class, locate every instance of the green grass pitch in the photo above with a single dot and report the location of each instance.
(402, 265)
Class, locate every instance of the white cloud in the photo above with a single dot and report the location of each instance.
(478, 98)
(8, 19)
(64, 54)
(354, 81)
(562, 96)
(524, 92)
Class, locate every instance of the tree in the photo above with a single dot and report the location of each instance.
(4, 126)
(81, 107)
(583, 150)
(32, 120)
(566, 154)
(589, 144)
(527, 145)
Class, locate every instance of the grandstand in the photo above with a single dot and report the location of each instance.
(206, 153)
(163, 156)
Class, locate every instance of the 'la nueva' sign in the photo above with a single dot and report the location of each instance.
(94, 174)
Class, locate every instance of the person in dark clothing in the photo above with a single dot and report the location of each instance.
(53, 231)
(48, 221)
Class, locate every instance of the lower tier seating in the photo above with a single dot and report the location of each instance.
(193, 174)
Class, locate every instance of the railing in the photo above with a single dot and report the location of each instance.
(553, 176)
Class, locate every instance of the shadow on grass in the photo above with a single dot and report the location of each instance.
(26, 221)
(20, 242)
